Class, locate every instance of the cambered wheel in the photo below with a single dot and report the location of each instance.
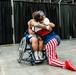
(21, 49)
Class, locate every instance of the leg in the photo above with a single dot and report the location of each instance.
(34, 42)
(40, 45)
(40, 49)
(51, 50)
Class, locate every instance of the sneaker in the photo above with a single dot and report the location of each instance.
(40, 55)
(37, 60)
(69, 65)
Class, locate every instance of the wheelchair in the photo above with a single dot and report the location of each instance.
(26, 52)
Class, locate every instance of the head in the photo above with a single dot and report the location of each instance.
(38, 15)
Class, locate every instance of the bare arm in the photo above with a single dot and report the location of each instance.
(30, 28)
(32, 23)
(37, 24)
(49, 24)
(52, 25)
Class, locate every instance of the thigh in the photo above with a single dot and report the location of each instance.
(33, 39)
(41, 41)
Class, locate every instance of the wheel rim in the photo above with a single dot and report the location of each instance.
(21, 48)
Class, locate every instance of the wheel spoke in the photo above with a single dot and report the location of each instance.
(21, 49)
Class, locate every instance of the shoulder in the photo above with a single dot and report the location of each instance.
(29, 22)
(46, 21)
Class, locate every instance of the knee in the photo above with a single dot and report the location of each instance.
(34, 40)
(41, 42)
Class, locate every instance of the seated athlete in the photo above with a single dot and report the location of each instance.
(35, 40)
(34, 29)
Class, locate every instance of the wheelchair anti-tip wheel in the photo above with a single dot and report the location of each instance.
(21, 49)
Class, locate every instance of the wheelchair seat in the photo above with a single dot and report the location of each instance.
(24, 48)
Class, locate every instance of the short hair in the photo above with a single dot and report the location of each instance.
(36, 15)
(41, 13)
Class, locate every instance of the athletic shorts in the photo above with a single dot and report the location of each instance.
(31, 35)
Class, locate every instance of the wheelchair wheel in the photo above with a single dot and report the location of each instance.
(21, 49)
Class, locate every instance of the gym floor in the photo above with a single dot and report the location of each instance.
(10, 66)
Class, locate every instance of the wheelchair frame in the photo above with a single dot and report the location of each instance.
(23, 47)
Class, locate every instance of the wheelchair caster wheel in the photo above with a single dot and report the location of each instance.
(20, 56)
(19, 61)
(32, 63)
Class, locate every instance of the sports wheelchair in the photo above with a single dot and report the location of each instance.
(25, 48)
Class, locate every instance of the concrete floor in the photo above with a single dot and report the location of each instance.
(10, 66)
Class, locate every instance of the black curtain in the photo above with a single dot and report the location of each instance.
(5, 23)
(73, 20)
(23, 13)
(64, 27)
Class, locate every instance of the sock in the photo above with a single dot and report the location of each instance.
(40, 55)
(36, 55)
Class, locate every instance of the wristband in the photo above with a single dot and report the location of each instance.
(47, 27)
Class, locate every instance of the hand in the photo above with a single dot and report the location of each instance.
(48, 28)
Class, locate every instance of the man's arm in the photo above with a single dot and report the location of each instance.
(52, 25)
(37, 24)
(30, 28)
(47, 22)
(42, 25)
